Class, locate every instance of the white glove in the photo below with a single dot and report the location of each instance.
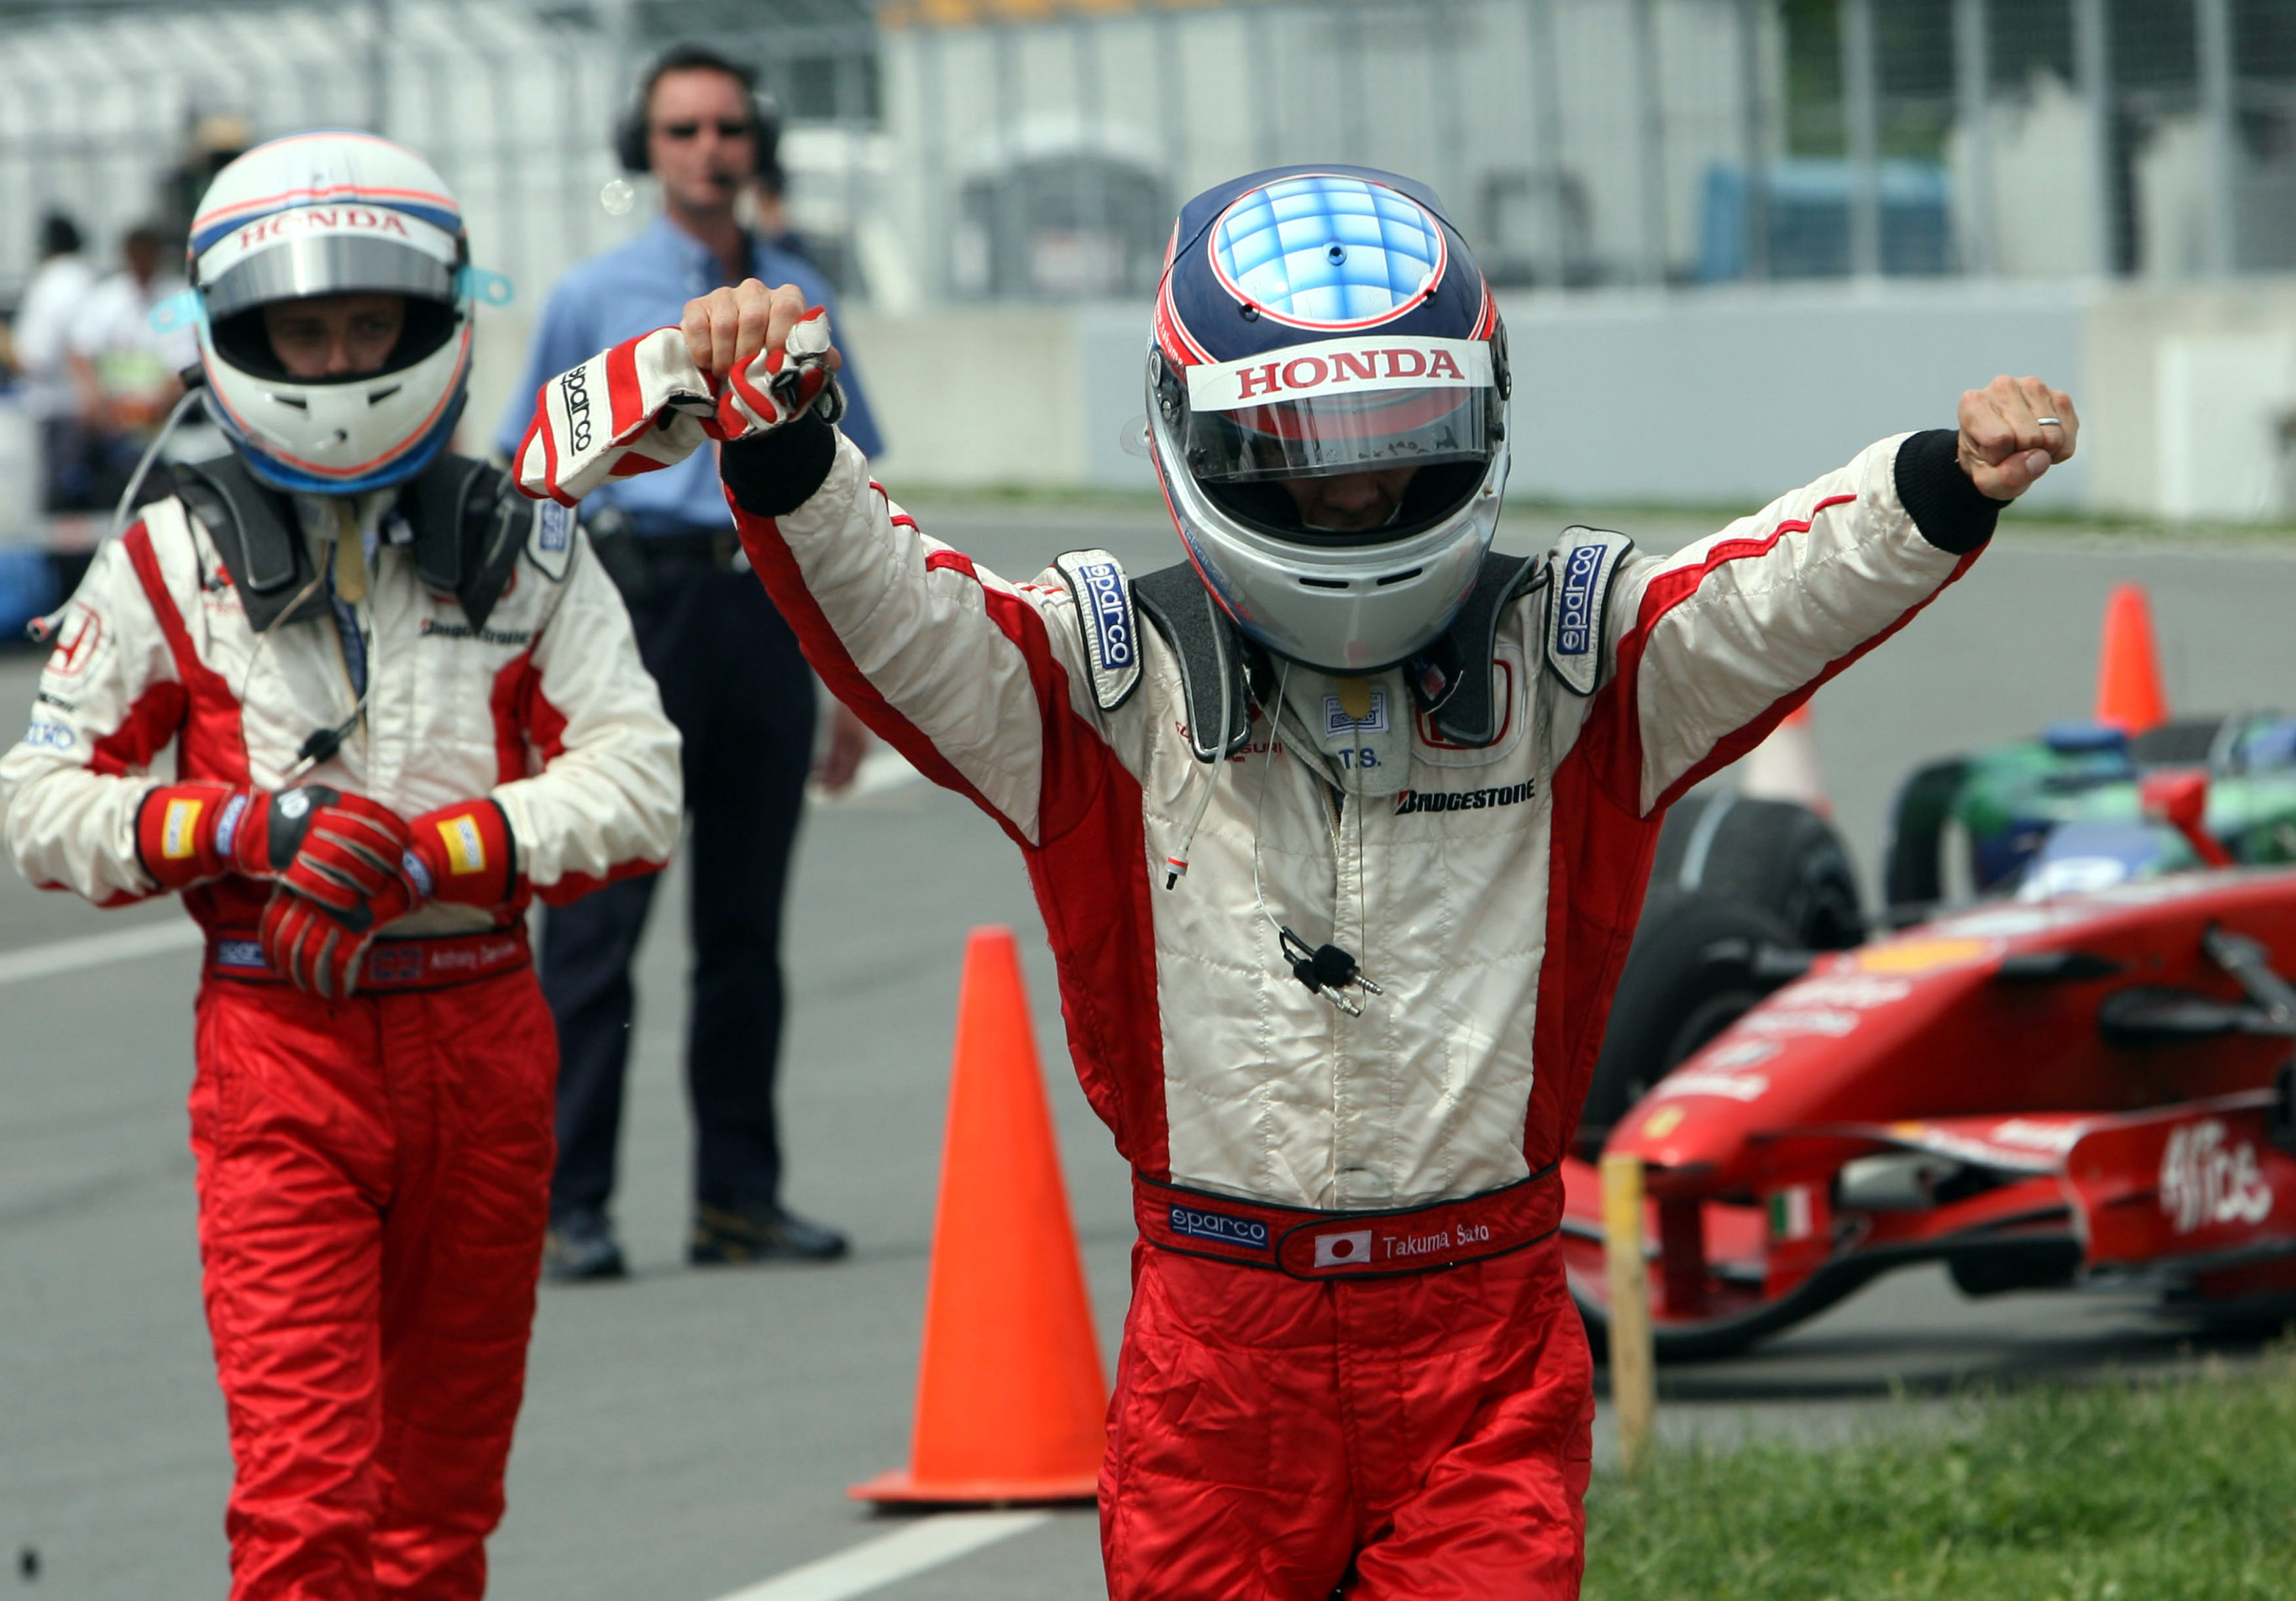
(644, 404)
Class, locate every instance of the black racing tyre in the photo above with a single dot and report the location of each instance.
(1779, 857)
(1913, 870)
(1692, 973)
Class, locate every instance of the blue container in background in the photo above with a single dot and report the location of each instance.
(1809, 214)
(28, 589)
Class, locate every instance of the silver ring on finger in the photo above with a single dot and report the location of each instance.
(2047, 422)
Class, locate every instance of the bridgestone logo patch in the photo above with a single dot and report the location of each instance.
(1512, 794)
(433, 629)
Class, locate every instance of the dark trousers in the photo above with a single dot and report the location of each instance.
(734, 682)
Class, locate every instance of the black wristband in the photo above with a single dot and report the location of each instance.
(773, 474)
(1951, 512)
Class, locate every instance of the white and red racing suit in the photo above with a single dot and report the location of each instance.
(1301, 1404)
(373, 1172)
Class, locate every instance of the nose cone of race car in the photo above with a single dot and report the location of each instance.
(1845, 1045)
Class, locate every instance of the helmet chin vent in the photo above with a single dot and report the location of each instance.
(297, 401)
(1408, 574)
(1325, 584)
(377, 396)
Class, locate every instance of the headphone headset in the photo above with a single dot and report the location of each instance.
(630, 134)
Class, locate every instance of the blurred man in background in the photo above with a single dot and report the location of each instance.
(53, 299)
(731, 679)
(123, 369)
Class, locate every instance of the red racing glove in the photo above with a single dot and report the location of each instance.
(339, 861)
(643, 405)
(317, 841)
(462, 854)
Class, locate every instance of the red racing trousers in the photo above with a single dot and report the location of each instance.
(374, 1178)
(1271, 1438)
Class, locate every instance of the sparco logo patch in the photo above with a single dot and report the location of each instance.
(1511, 794)
(1103, 587)
(574, 391)
(1574, 631)
(1219, 1225)
(557, 527)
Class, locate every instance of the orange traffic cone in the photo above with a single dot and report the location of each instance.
(2129, 694)
(1784, 766)
(1011, 1399)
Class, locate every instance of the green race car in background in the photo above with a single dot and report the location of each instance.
(2070, 810)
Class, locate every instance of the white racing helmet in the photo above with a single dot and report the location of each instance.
(1316, 321)
(327, 214)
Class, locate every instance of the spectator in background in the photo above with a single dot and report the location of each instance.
(53, 299)
(123, 369)
(734, 682)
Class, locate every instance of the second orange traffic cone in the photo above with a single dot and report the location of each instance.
(2128, 693)
(1012, 1401)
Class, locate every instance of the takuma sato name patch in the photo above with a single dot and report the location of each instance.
(1584, 563)
(1111, 632)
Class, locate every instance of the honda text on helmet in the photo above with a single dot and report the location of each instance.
(1327, 404)
(325, 215)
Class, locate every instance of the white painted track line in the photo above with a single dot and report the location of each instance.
(98, 950)
(889, 1558)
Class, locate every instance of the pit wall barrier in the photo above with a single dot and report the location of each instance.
(1703, 397)
(1706, 397)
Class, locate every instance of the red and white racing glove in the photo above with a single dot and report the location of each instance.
(462, 854)
(314, 839)
(340, 863)
(643, 405)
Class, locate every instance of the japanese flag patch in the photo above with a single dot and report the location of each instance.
(1584, 563)
(1112, 630)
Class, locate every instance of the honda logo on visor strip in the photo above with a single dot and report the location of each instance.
(1340, 366)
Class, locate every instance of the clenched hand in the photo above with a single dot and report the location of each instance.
(2012, 430)
(725, 327)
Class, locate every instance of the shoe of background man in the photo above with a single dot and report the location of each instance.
(766, 1234)
(580, 1248)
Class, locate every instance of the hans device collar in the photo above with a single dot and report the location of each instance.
(470, 524)
(1461, 703)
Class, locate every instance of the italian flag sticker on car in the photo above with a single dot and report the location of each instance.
(1789, 1213)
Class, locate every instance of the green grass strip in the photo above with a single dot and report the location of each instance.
(2120, 1491)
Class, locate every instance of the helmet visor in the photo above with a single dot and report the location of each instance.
(297, 269)
(1324, 436)
(1341, 405)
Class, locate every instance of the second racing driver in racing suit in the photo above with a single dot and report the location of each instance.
(1339, 830)
(402, 698)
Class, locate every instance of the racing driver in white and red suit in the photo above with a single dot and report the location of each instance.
(402, 698)
(1339, 830)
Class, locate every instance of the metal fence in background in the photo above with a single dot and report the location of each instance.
(1614, 141)
(114, 113)
(977, 149)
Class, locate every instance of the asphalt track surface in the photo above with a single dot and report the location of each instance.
(689, 1435)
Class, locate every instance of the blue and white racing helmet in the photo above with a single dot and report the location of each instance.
(327, 214)
(1316, 321)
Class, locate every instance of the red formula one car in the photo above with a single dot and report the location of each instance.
(2067, 1089)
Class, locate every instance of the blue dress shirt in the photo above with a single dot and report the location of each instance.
(634, 288)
